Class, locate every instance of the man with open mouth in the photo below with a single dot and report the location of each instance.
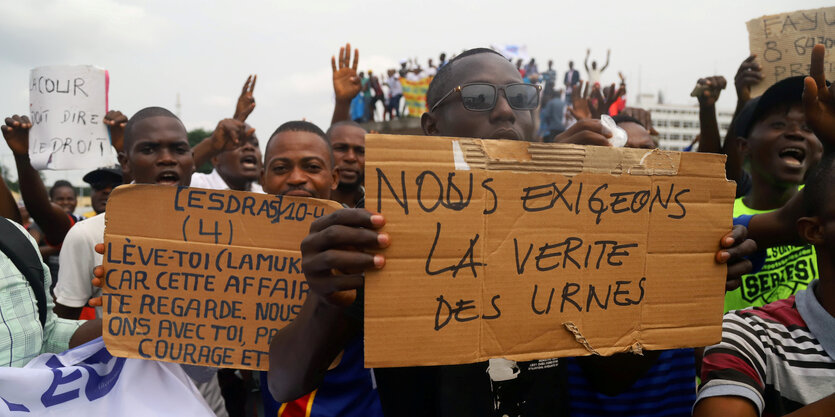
(235, 169)
(779, 149)
(478, 94)
(156, 151)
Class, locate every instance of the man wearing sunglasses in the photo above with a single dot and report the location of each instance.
(483, 96)
(477, 94)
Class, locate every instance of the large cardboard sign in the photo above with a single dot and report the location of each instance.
(200, 276)
(531, 251)
(783, 43)
(67, 105)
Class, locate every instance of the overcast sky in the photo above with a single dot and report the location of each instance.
(204, 50)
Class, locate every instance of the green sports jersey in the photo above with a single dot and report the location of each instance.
(787, 270)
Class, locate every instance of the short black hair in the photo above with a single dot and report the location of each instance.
(142, 115)
(622, 118)
(302, 126)
(818, 189)
(61, 184)
(342, 123)
(441, 84)
(780, 97)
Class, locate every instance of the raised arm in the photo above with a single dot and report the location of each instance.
(116, 122)
(748, 75)
(819, 101)
(707, 92)
(608, 53)
(229, 134)
(586, 62)
(246, 101)
(52, 219)
(346, 83)
(301, 352)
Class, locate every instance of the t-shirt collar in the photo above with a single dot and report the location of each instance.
(819, 321)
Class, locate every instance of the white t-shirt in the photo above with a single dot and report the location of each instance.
(594, 76)
(74, 289)
(76, 263)
(394, 85)
(214, 181)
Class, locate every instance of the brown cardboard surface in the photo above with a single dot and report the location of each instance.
(477, 267)
(200, 276)
(783, 43)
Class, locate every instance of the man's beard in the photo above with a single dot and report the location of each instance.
(349, 187)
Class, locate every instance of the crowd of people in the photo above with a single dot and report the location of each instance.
(777, 353)
(389, 90)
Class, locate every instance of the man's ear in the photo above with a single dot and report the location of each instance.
(123, 162)
(810, 229)
(429, 124)
(742, 145)
(335, 174)
(213, 160)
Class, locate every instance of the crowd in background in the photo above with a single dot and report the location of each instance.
(776, 354)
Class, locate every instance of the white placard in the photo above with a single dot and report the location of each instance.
(88, 381)
(67, 105)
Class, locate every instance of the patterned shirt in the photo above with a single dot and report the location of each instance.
(780, 356)
(787, 270)
(666, 389)
(21, 335)
(347, 391)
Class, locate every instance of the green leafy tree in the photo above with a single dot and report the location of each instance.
(196, 136)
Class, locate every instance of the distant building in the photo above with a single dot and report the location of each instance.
(678, 125)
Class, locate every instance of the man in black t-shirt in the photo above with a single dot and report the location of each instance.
(332, 313)
(467, 98)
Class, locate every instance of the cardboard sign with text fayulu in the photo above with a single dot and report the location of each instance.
(783, 44)
(532, 251)
(200, 276)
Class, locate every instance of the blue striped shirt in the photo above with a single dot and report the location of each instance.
(667, 389)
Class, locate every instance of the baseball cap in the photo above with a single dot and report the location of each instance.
(783, 92)
(102, 177)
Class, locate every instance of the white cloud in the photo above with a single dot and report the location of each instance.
(315, 83)
(220, 101)
(44, 32)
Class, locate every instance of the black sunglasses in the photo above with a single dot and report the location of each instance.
(482, 96)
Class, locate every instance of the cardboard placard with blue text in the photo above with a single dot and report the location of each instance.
(202, 277)
(532, 251)
(67, 105)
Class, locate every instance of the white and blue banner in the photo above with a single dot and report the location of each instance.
(511, 51)
(89, 381)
